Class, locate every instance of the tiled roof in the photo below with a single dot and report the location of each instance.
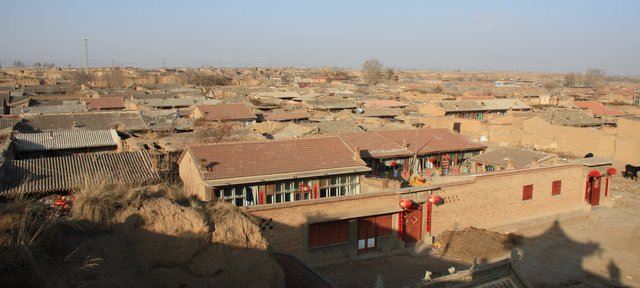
(331, 103)
(42, 175)
(381, 112)
(373, 145)
(287, 115)
(8, 121)
(244, 159)
(68, 139)
(281, 95)
(105, 103)
(383, 103)
(565, 117)
(521, 158)
(481, 105)
(129, 121)
(226, 112)
(598, 108)
(49, 109)
(431, 140)
(175, 102)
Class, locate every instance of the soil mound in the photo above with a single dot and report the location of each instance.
(473, 242)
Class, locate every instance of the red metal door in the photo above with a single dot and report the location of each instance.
(595, 191)
(413, 225)
(366, 234)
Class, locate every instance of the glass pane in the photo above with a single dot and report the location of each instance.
(238, 191)
(296, 185)
(278, 198)
(278, 187)
(324, 182)
(298, 196)
(343, 180)
(239, 202)
(307, 196)
(269, 199)
(334, 180)
(334, 192)
(287, 197)
(355, 179)
(227, 191)
(323, 193)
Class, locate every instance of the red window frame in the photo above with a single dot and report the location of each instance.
(556, 187)
(527, 192)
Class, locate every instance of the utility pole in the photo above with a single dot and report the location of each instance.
(86, 53)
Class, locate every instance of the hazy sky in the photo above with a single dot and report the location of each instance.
(471, 35)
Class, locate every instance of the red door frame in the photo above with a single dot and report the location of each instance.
(593, 190)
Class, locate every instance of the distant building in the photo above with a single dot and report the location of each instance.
(474, 109)
(224, 113)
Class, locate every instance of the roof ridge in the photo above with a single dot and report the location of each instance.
(204, 143)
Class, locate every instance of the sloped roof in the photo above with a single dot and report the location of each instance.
(331, 103)
(598, 108)
(566, 117)
(105, 103)
(280, 95)
(287, 115)
(129, 121)
(221, 161)
(226, 112)
(53, 174)
(8, 121)
(383, 103)
(175, 102)
(67, 139)
(481, 105)
(521, 158)
(373, 145)
(428, 141)
(49, 109)
(381, 112)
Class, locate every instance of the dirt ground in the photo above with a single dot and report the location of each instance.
(600, 249)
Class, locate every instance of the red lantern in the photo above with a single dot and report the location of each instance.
(435, 199)
(407, 204)
(594, 173)
(612, 171)
(393, 163)
(432, 159)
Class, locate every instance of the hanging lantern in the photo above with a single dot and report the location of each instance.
(435, 199)
(612, 171)
(594, 173)
(393, 164)
(407, 204)
(432, 159)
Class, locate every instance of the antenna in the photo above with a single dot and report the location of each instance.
(86, 53)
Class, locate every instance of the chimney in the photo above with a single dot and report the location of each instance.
(534, 163)
(509, 164)
(356, 154)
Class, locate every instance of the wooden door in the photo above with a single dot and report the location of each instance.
(594, 198)
(413, 225)
(367, 234)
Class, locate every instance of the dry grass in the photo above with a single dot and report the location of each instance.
(98, 201)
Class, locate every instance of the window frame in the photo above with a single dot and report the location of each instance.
(527, 192)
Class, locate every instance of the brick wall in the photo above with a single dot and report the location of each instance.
(496, 199)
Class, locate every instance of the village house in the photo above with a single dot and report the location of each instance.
(65, 142)
(237, 112)
(266, 172)
(474, 109)
(383, 103)
(295, 116)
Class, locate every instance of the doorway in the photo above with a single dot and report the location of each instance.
(367, 234)
(594, 191)
(413, 225)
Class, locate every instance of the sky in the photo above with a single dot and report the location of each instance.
(481, 35)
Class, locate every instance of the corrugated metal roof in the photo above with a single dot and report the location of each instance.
(42, 175)
(68, 139)
(129, 121)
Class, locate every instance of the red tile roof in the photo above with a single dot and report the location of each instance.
(372, 145)
(226, 112)
(105, 103)
(598, 109)
(263, 158)
(431, 140)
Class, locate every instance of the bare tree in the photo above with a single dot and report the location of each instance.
(390, 74)
(80, 77)
(37, 65)
(572, 79)
(594, 77)
(115, 78)
(372, 71)
(18, 63)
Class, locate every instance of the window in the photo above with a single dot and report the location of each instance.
(556, 186)
(238, 195)
(328, 233)
(339, 186)
(287, 191)
(527, 192)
